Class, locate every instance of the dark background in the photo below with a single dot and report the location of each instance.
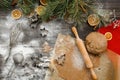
(112, 4)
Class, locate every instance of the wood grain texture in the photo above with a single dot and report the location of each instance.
(68, 71)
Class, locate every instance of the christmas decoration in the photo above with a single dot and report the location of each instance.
(108, 35)
(16, 14)
(40, 10)
(43, 2)
(93, 20)
(77, 10)
(72, 11)
(5, 4)
(114, 31)
(27, 6)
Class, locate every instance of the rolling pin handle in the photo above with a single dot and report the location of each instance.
(74, 30)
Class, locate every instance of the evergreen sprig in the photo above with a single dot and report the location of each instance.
(74, 10)
(77, 10)
(5, 4)
(27, 6)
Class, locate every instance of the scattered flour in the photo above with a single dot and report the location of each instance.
(77, 59)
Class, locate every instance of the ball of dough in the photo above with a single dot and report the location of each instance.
(96, 43)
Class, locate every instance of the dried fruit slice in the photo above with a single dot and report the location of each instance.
(16, 14)
(93, 20)
(40, 10)
(108, 35)
(43, 2)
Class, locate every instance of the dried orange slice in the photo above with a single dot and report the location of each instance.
(93, 20)
(108, 35)
(40, 10)
(43, 2)
(16, 14)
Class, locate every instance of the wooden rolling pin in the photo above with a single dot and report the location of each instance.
(84, 53)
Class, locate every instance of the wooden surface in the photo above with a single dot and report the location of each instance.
(83, 31)
(74, 67)
(115, 58)
(112, 5)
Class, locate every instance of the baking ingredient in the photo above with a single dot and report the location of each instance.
(96, 43)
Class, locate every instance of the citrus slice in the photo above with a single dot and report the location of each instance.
(93, 20)
(40, 10)
(16, 14)
(43, 2)
(108, 35)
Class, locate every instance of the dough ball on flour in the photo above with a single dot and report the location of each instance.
(96, 43)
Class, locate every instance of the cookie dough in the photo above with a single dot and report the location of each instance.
(96, 43)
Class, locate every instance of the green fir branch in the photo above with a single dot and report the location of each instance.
(75, 10)
(5, 4)
(27, 6)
